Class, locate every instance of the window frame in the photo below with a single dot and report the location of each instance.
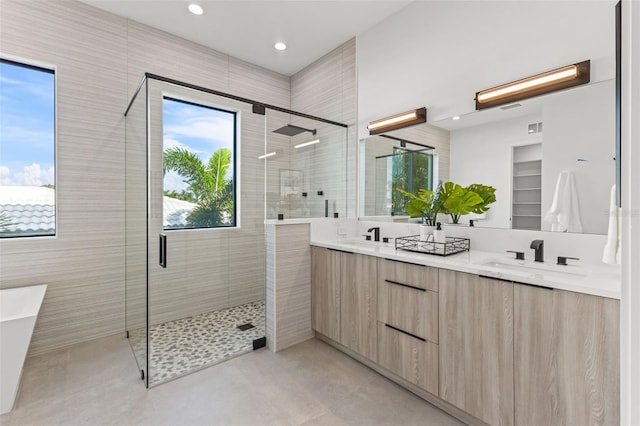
(53, 70)
(196, 101)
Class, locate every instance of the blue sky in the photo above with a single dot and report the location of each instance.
(199, 129)
(27, 126)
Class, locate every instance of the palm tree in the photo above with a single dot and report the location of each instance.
(207, 185)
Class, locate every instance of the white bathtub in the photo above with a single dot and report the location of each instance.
(19, 309)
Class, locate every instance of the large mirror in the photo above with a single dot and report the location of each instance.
(550, 158)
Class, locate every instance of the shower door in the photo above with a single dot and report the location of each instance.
(206, 278)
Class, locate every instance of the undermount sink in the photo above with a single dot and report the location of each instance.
(365, 243)
(539, 270)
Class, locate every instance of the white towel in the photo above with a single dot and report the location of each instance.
(564, 213)
(611, 253)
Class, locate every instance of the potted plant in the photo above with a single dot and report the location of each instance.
(457, 201)
(424, 205)
(488, 195)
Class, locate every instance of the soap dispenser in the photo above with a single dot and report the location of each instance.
(438, 234)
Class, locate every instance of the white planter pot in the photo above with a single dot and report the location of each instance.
(426, 232)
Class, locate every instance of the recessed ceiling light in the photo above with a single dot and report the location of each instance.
(196, 9)
(280, 46)
(457, 117)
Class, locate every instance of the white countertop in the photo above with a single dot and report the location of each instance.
(595, 279)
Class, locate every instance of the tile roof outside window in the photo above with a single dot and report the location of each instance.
(31, 210)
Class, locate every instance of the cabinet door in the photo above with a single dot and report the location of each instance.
(358, 304)
(566, 358)
(325, 292)
(410, 357)
(476, 345)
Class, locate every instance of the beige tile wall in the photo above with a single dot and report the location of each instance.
(84, 264)
(327, 88)
(288, 285)
(100, 59)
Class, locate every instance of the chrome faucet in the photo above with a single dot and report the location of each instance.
(376, 233)
(538, 246)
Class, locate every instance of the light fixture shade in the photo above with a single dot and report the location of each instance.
(550, 81)
(398, 121)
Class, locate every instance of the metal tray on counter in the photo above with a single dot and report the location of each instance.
(452, 245)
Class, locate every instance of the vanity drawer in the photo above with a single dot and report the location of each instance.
(409, 308)
(424, 277)
(413, 359)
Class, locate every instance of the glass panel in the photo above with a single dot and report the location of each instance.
(136, 228)
(306, 167)
(404, 169)
(213, 278)
(199, 165)
(27, 150)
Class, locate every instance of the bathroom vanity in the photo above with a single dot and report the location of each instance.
(488, 339)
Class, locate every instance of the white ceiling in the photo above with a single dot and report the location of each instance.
(248, 29)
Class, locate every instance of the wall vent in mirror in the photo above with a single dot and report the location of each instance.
(534, 128)
(546, 82)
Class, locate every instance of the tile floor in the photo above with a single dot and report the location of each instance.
(189, 344)
(96, 383)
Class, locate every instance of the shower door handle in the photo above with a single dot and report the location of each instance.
(163, 250)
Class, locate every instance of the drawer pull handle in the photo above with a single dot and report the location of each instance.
(405, 332)
(406, 263)
(404, 285)
(516, 282)
(340, 251)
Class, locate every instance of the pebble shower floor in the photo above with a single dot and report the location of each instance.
(189, 344)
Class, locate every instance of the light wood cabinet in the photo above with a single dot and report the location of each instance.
(409, 274)
(505, 353)
(566, 358)
(476, 345)
(325, 292)
(344, 298)
(358, 304)
(412, 358)
(408, 322)
(408, 298)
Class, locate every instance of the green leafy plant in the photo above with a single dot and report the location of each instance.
(488, 195)
(424, 204)
(457, 201)
(207, 183)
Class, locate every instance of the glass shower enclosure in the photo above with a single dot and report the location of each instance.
(204, 170)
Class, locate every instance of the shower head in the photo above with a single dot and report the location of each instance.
(291, 130)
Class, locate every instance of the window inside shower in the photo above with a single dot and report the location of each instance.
(199, 165)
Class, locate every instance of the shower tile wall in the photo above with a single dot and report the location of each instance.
(327, 88)
(288, 285)
(84, 265)
(100, 60)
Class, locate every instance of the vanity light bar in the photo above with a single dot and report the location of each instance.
(302, 145)
(398, 121)
(270, 154)
(550, 81)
